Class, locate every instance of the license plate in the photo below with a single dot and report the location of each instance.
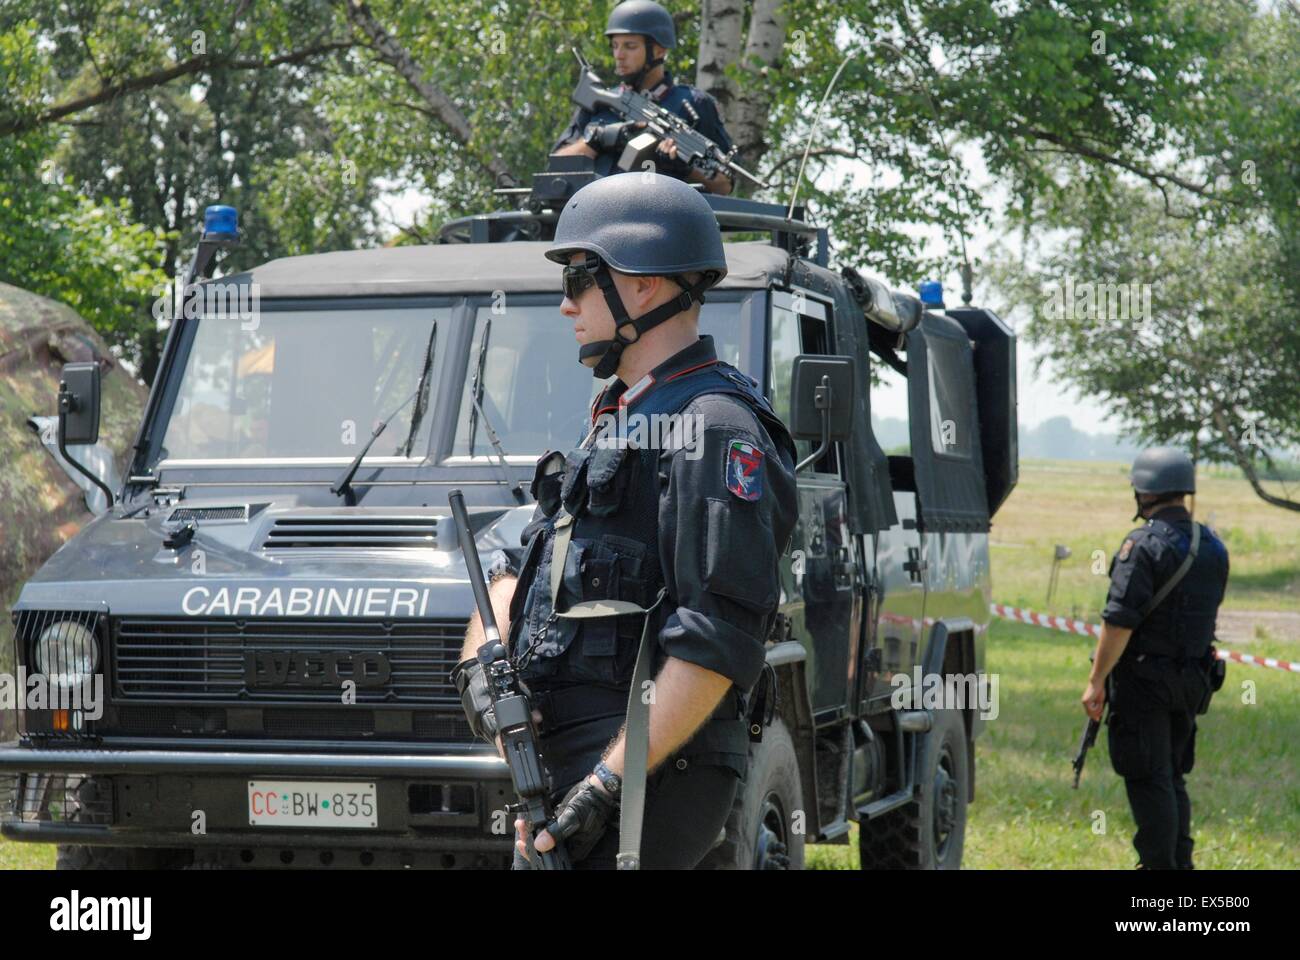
(302, 803)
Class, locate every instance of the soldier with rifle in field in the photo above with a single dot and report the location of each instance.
(641, 32)
(1155, 661)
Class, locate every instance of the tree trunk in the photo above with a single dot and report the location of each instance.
(745, 106)
(722, 24)
(752, 106)
(1247, 466)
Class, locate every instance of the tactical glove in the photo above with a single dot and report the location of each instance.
(471, 682)
(606, 136)
(582, 819)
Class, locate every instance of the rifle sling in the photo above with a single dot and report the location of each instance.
(1181, 572)
(636, 735)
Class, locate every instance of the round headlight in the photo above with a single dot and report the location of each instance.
(67, 653)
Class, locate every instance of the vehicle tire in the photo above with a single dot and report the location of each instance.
(87, 794)
(929, 833)
(759, 832)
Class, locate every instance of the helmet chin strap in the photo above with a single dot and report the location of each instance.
(633, 80)
(610, 351)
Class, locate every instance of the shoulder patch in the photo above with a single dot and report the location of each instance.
(1126, 549)
(743, 476)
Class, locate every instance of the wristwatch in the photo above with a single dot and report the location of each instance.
(610, 780)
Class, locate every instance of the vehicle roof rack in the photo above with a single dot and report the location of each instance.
(552, 188)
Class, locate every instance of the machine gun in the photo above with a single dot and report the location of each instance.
(635, 107)
(514, 714)
(1086, 742)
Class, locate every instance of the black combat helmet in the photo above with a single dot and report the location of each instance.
(1163, 470)
(646, 18)
(643, 224)
(651, 21)
(1163, 473)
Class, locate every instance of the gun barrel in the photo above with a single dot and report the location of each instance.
(473, 566)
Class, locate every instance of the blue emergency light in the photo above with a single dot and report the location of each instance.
(931, 292)
(220, 223)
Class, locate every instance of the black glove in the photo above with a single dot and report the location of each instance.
(582, 818)
(471, 682)
(606, 136)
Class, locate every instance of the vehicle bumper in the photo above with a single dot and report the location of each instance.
(19, 759)
(444, 806)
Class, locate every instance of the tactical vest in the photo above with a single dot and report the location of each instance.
(1182, 626)
(612, 492)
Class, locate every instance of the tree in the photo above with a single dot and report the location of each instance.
(1177, 326)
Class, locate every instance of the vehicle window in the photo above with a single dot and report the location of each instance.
(950, 392)
(534, 392)
(305, 384)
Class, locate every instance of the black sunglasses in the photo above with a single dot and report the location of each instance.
(578, 278)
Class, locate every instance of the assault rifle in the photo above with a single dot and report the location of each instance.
(1088, 740)
(514, 714)
(635, 107)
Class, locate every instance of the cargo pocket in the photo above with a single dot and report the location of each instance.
(1130, 749)
(608, 568)
(740, 554)
(1189, 752)
(720, 742)
(609, 474)
(548, 479)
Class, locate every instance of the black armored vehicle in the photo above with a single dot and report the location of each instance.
(273, 599)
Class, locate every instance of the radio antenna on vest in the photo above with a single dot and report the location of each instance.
(813, 132)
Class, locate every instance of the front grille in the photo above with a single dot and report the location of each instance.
(327, 723)
(204, 660)
(353, 532)
(167, 721)
(290, 723)
(55, 798)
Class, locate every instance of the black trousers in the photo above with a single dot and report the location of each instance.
(684, 813)
(1152, 739)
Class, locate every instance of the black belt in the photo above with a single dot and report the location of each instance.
(560, 706)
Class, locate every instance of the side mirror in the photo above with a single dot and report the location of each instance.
(79, 402)
(79, 415)
(821, 402)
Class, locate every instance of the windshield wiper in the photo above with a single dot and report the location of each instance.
(477, 413)
(417, 415)
(343, 486)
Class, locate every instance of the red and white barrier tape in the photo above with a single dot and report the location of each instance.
(1066, 625)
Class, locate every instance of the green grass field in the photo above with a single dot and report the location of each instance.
(1245, 788)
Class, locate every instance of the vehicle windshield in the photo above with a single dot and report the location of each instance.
(305, 384)
(534, 393)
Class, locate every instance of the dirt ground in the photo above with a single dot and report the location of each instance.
(1236, 626)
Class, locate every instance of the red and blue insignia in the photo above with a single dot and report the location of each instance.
(744, 478)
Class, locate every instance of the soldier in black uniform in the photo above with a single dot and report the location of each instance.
(1167, 582)
(641, 32)
(689, 531)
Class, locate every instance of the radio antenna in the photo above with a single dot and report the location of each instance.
(789, 214)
